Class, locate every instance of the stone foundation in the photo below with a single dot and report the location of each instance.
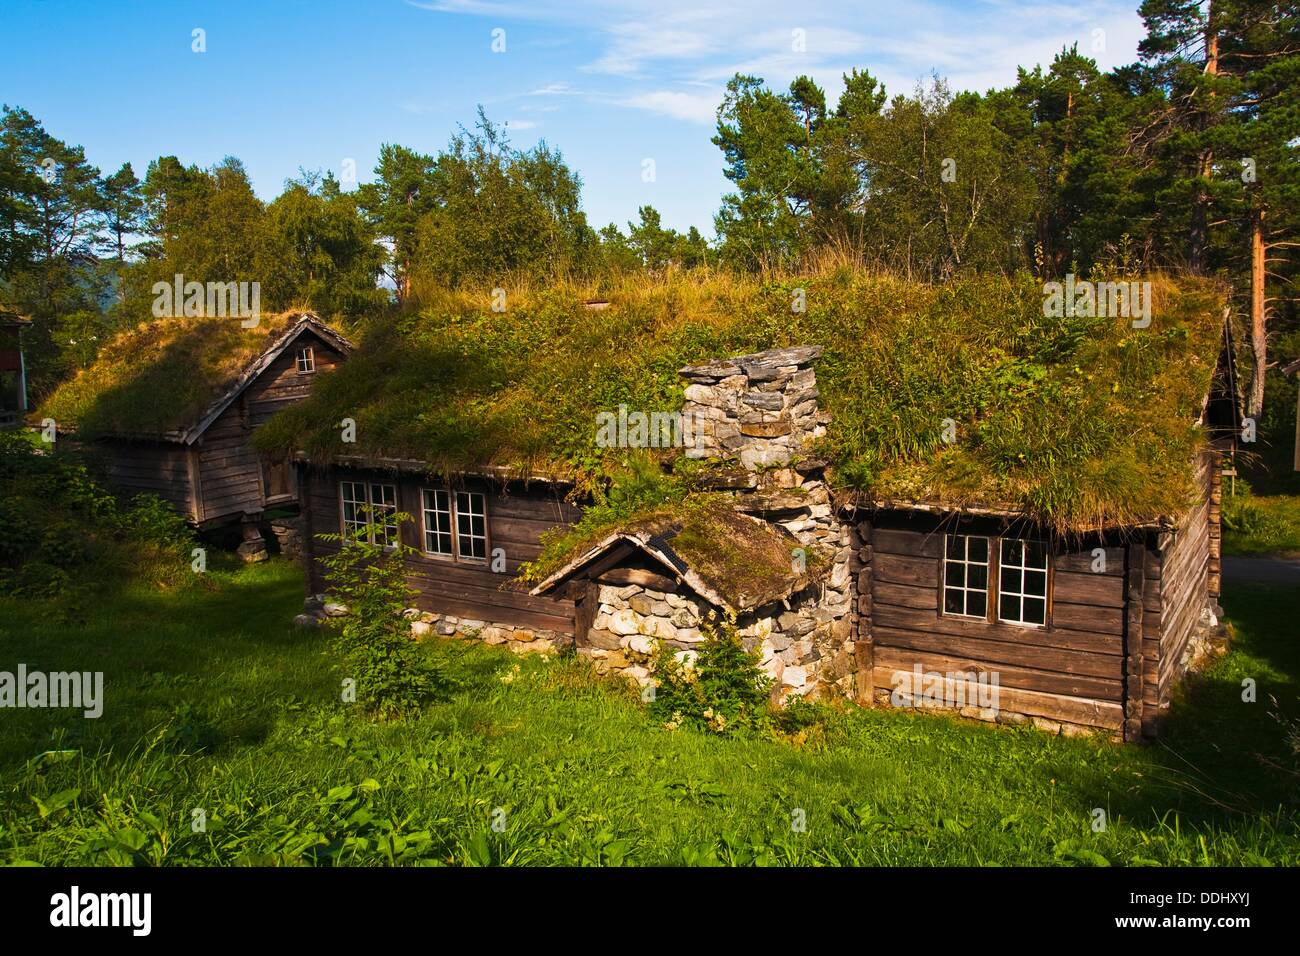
(996, 715)
(521, 640)
(288, 536)
(319, 608)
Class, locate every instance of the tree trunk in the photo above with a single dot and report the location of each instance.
(1198, 239)
(1258, 339)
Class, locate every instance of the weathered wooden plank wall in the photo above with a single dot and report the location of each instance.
(160, 468)
(517, 517)
(1183, 579)
(1071, 670)
(231, 480)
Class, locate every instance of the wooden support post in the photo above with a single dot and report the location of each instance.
(1215, 518)
(315, 584)
(1135, 582)
(864, 687)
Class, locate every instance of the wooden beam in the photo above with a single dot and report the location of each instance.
(1135, 579)
(864, 686)
(646, 579)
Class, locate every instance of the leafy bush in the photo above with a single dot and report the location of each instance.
(393, 678)
(723, 692)
(151, 520)
(58, 519)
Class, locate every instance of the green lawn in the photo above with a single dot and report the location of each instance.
(215, 704)
(1261, 525)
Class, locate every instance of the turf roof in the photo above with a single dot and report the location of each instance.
(158, 379)
(732, 560)
(1076, 421)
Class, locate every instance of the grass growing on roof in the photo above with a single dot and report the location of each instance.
(160, 376)
(1075, 420)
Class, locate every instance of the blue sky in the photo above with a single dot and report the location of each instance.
(285, 84)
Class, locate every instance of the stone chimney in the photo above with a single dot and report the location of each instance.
(760, 408)
(763, 410)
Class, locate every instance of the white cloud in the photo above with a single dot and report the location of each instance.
(554, 89)
(674, 57)
(692, 107)
(515, 125)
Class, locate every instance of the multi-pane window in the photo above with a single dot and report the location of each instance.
(437, 522)
(996, 578)
(369, 503)
(1022, 582)
(306, 360)
(966, 576)
(455, 524)
(471, 525)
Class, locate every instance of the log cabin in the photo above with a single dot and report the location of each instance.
(1049, 555)
(170, 408)
(13, 370)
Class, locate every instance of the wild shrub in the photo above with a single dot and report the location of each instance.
(723, 692)
(58, 520)
(149, 519)
(393, 677)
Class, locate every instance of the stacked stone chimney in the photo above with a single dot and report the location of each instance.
(762, 411)
(761, 408)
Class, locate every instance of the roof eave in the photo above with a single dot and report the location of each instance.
(418, 466)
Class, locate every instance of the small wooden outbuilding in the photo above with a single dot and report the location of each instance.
(171, 408)
(13, 370)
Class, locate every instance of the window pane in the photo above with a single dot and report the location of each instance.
(1035, 611)
(1036, 583)
(1009, 610)
(353, 497)
(966, 575)
(383, 500)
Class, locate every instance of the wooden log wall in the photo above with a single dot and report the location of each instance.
(230, 472)
(517, 517)
(281, 383)
(159, 468)
(1214, 579)
(1072, 670)
(1177, 589)
(1134, 652)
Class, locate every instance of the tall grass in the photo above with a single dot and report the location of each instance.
(1078, 421)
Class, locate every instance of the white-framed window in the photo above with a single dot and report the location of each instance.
(471, 525)
(369, 502)
(991, 578)
(455, 524)
(306, 360)
(966, 576)
(1022, 582)
(437, 522)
